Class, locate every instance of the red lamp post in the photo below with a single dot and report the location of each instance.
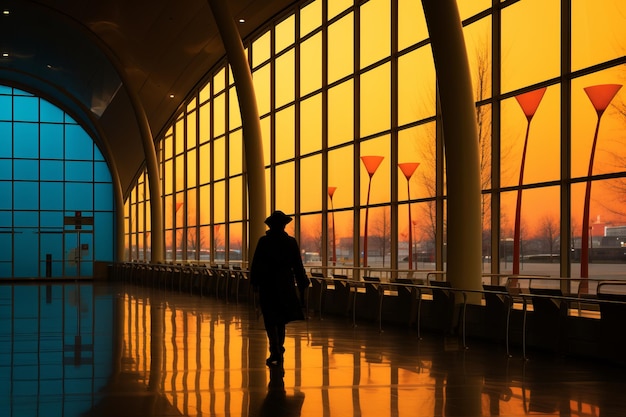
(408, 168)
(600, 97)
(528, 102)
(331, 192)
(371, 163)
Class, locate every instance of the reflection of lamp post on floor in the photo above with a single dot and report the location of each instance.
(331, 192)
(408, 168)
(600, 97)
(371, 163)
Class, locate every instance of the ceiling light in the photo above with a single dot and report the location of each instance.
(242, 20)
(6, 12)
(171, 95)
(5, 55)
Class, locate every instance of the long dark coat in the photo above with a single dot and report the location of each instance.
(276, 269)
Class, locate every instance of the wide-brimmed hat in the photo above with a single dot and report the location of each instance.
(277, 219)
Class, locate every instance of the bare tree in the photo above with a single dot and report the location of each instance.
(549, 234)
(381, 231)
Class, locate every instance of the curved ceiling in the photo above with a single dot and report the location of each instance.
(91, 58)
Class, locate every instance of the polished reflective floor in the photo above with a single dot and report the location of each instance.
(105, 350)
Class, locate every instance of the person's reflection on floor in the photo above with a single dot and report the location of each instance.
(277, 403)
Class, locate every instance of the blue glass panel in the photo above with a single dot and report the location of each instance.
(103, 224)
(78, 196)
(6, 108)
(6, 220)
(51, 170)
(51, 141)
(18, 92)
(6, 271)
(103, 197)
(52, 244)
(26, 109)
(26, 195)
(6, 138)
(5, 243)
(68, 119)
(78, 171)
(25, 245)
(26, 219)
(78, 145)
(6, 191)
(26, 169)
(97, 155)
(4, 89)
(6, 169)
(102, 173)
(51, 195)
(50, 112)
(25, 140)
(51, 219)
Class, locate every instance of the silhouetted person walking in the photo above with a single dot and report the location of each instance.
(275, 271)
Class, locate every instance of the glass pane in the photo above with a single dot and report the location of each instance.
(219, 158)
(25, 140)
(49, 112)
(418, 145)
(205, 123)
(78, 196)
(262, 84)
(26, 195)
(6, 139)
(78, 145)
(25, 109)
(26, 169)
(478, 44)
(285, 187)
(341, 176)
(341, 48)
(219, 81)
(380, 174)
(341, 113)
(6, 108)
(205, 204)
(598, 31)
(375, 36)
(205, 164)
(411, 23)
(378, 237)
(539, 231)
(79, 171)
(311, 239)
(416, 86)
(191, 169)
(285, 131)
(311, 125)
(6, 190)
(285, 78)
(219, 115)
(234, 244)
(235, 152)
(285, 33)
(219, 207)
(310, 65)
(344, 237)
(50, 194)
(376, 100)
(609, 153)
(235, 207)
(521, 45)
(310, 17)
(234, 112)
(103, 197)
(337, 6)
(311, 184)
(543, 144)
(261, 49)
(468, 8)
(191, 130)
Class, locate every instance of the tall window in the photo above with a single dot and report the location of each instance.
(339, 82)
(56, 210)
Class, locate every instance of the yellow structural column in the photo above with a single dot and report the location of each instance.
(460, 135)
(252, 138)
